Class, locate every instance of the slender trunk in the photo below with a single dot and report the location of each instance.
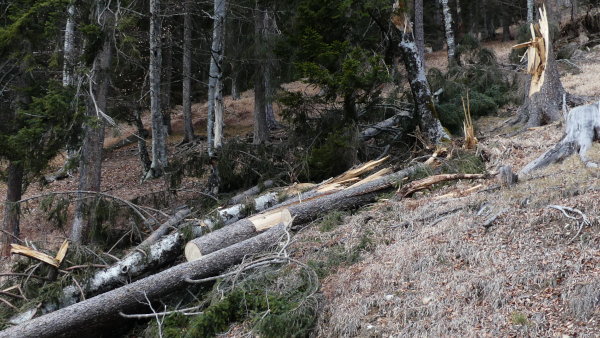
(261, 128)
(91, 155)
(268, 30)
(235, 90)
(142, 147)
(530, 8)
(166, 88)
(69, 47)
(419, 30)
(11, 210)
(159, 141)
(506, 36)
(187, 73)
(429, 123)
(219, 117)
(215, 77)
(450, 42)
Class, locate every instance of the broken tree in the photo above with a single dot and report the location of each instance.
(545, 93)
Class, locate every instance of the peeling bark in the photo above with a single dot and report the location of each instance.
(450, 42)
(215, 77)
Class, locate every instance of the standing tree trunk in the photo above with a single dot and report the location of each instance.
(261, 128)
(187, 74)
(91, 151)
(10, 223)
(530, 8)
(428, 122)
(166, 88)
(235, 90)
(142, 134)
(69, 47)
(419, 30)
(544, 99)
(450, 42)
(159, 141)
(269, 30)
(215, 86)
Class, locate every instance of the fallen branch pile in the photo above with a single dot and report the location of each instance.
(207, 255)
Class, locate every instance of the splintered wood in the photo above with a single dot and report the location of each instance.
(537, 52)
(17, 249)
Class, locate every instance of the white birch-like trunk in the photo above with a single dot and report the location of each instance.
(530, 10)
(215, 77)
(69, 48)
(187, 73)
(449, 31)
(159, 145)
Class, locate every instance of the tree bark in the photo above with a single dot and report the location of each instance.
(187, 73)
(159, 142)
(14, 191)
(261, 128)
(236, 212)
(166, 87)
(530, 9)
(91, 151)
(235, 90)
(141, 140)
(449, 29)
(375, 130)
(95, 313)
(215, 87)
(419, 30)
(69, 47)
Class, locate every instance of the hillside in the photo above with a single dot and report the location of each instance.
(497, 262)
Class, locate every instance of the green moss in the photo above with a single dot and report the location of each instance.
(331, 221)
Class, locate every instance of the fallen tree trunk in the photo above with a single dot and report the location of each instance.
(143, 259)
(92, 314)
(236, 212)
(166, 227)
(375, 130)
(301, 212)
(255, 190)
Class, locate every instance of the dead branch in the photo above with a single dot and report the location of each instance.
(582, 220)
(412, 187)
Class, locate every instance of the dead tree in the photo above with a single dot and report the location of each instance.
(428, 121)
(215, 78)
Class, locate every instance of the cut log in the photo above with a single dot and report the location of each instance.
(242, 230)
(427, 182)
(301, 212)
(91, 315)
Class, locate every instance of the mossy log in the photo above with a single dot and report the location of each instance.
(91, 315)
(301, 212)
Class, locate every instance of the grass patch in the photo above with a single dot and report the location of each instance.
(518, 318)
(331, 221)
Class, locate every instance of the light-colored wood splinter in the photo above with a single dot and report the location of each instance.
(17, 249)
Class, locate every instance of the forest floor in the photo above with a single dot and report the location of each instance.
(428, 266)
